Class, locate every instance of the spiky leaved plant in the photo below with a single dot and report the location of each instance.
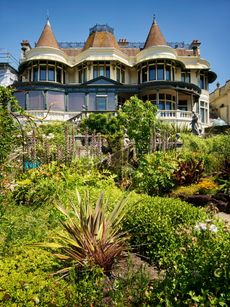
(92, 235)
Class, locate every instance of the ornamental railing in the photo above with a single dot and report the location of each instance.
(138, 45)
(175, 114)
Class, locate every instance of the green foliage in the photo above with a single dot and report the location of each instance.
(154, 175)
(9, 128)
(199, 271)
(91, 236)
(139, 118)
(191, 249)
(153, 224)
(106, 124)
(213, 150)
(43, 185)
(26, 280)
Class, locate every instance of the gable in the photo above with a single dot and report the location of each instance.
(102, 81)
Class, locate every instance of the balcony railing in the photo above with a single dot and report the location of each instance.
(170, 115)
(175, 114)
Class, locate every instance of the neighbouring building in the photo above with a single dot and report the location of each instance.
(8, 74)
(100, 74)
(220, 102)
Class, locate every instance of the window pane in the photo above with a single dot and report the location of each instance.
(118, 74)
(168, 73)
(187, 78)
(36, 100)
(107, 72)
(59, 75)
(95, 72)
(161, 105)
(168, 105)
(160, 72)
(202, 81)
(183, 77)
(153, 97)
(168, 97)
(42, 73)
(76, 101)
(202, 115)
(20, 96)
(101, 103)
(173, 71)
(79, 76)
(144, 74)
(182, 105)
(152, 73)
(101, 71)
(123, 76)
(56, 101)
(51, 74)
(35, 74)
(84, 75)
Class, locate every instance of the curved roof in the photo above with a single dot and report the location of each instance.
(101, 36)
(155, 37)
(47, 38)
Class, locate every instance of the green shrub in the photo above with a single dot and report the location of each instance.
(154, 175)
(154, 225)
(199, 274)
(26, 280)
(213, 150)
(44, 184)
(192, 250)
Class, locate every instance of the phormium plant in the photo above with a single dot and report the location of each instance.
(92, 235)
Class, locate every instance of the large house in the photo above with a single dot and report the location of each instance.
(66, 79)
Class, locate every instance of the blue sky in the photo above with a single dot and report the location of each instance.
(179, 20)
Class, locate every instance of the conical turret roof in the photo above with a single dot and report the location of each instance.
(47, 38)
(155, 37)
(101, 36)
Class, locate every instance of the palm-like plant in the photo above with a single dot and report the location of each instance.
(91, 236)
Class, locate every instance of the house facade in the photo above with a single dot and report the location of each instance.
(66, 79)
(8, 74)
(220, 102)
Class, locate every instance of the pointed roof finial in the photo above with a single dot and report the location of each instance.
(47, 17)
(154, 18)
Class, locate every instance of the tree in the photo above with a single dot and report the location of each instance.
(139, 119)
(9, 127)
